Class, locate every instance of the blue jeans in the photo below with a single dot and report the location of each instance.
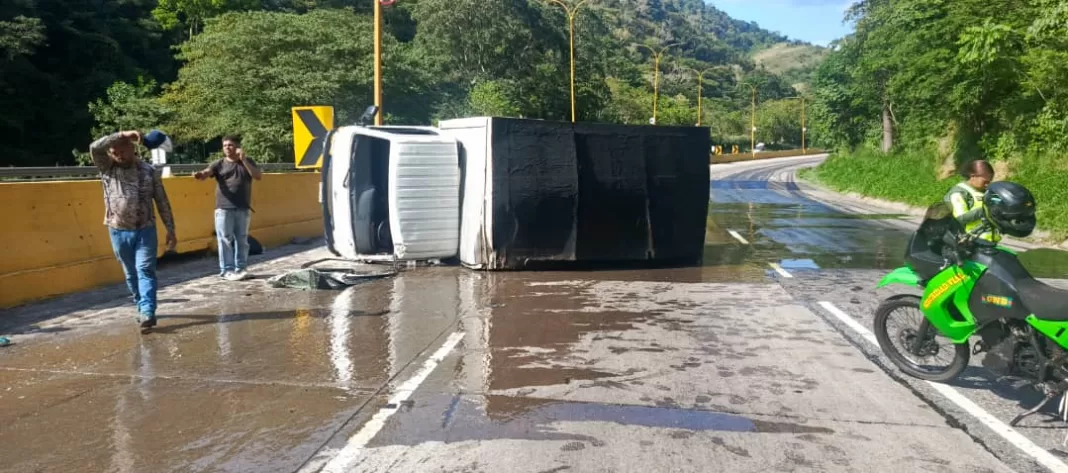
(136, 250)
(231, 228)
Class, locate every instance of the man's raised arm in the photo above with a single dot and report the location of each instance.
(99, 148)
(250, 165)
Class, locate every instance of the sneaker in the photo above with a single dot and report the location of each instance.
(241, 275)
(232, 276)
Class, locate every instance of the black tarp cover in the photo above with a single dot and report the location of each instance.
(596, 192)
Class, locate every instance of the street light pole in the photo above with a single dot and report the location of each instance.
(571, 12)
(656, 72)
(378, 61)
(700, 81)
(752, 125)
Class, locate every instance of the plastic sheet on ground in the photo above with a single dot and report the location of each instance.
(311, 278)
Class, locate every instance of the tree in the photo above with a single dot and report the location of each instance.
(128, 107)
(983, 76)
(495, 98)
(58, 56)
(191, 14)
(629, 105)
(505, 45)
(245, 71)
(779, 122)
(444, 59)
(20, 36)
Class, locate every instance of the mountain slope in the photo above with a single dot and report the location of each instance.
(690, 21)
(796, 63)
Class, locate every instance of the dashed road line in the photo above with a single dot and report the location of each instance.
(778, 269)
(738, 236)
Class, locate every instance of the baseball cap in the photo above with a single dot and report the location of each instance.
(158, 139)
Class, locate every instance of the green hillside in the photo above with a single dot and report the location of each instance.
(796, 63)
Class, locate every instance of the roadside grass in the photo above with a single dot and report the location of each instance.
(911, 178)
(1047, 177)
(906, 178)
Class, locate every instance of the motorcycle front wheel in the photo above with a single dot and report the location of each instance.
(918, 340)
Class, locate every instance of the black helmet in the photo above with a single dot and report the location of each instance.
(1011, 208)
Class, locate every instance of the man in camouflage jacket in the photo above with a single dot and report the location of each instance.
(130, 187)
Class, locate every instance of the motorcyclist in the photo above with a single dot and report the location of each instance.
(966, 198)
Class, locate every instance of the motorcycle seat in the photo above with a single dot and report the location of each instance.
(1043, 300)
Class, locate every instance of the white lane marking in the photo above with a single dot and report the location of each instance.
(851, 322)
(778, 269)
(1008, 433)
(356, 443)
(738, 236)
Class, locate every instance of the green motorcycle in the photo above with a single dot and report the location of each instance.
(974, 287)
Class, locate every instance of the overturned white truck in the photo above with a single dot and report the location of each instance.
(502, 193)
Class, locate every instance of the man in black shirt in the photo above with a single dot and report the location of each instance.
(233, 197)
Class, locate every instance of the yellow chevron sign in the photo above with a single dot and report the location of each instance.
(310, 125)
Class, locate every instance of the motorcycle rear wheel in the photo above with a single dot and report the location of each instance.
(962, 352)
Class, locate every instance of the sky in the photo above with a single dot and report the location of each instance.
(815, 21)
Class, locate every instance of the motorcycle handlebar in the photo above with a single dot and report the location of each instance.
(964, 243)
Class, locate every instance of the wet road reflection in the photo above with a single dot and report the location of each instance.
(801, 234)
(534, 330)
(551, 366)
(529, 418)
(252, 383)
(782, 225)
(246, 378)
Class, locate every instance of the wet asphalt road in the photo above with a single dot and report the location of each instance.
(731, 367)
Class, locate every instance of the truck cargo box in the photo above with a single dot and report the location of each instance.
(543, 191)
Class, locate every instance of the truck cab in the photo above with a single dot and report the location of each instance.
(391, 193)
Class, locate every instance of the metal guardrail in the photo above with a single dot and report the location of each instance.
(91, 172)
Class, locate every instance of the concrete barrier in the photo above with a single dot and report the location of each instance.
(55, 241)
(734, 158)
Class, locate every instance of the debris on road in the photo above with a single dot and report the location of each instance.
(311, 278)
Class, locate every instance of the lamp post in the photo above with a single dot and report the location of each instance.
(752, 120)
(656, 72)
(571, 12)
(700, 81)
(378, 60)
(803, 128)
